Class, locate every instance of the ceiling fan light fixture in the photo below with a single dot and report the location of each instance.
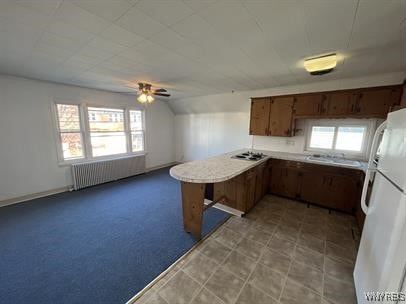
(150, 98)
(143, 98)
(321, 65)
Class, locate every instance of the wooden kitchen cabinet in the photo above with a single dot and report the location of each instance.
(280, 121)
(266, 179)
(332, 187)
(285, 181)
(250, 182)
(376, 102)
(312, 186)
(243, 191)
(339, 103)
(259, 121)
(309, 105)
(276, 115)
(340, 192)
(262, 180)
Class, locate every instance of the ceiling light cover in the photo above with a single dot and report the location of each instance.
(150, 98)
(142, 98)
(322, 63)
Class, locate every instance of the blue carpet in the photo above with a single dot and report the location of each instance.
(98, 245)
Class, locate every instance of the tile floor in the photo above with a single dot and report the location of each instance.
(283, 252)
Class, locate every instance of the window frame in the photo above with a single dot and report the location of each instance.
(89, 137)
(142, 130)
(369, 124)
(84, 122)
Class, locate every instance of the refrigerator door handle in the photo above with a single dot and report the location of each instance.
(370, 168)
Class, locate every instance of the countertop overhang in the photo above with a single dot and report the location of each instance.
(222, 167)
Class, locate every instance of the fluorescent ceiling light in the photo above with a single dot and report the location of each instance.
(321, 65)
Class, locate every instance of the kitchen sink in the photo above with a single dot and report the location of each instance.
(334, 160)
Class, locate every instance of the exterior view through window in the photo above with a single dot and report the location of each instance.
(137, 131)
(70, 131)
(110, 132)
(107, 134)
(337, 137)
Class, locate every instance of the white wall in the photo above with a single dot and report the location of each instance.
(214, 124)
(28, 155)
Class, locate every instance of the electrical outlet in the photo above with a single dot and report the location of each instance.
(290, 142)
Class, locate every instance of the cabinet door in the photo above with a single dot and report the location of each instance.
(377, 102)
(230, 193)
(260, 174)
(277, 184)
(308, 105)
(313, 187)
(339, 103)
(251, 181)
(341, 192)
(259, 122)
(285, 181)
(280, 121)
(266, 180)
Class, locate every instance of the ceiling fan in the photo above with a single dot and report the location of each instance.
(146, 93)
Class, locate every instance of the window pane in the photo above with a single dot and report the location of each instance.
(101, 119)
(71, 145)
(137, 139)
(322, 137)
(68, 117)
(350, 138)
(135, 120)
(109, 143)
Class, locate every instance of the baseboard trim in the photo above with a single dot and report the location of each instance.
(160, 167)
(28, 197)
(174, 265)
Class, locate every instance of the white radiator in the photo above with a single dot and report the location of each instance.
(98, 172)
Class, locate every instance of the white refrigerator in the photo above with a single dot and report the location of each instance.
(381, 259)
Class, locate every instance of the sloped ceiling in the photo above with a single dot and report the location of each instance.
(198, 47)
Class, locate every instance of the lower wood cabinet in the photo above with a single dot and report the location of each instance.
(245, 190)
(284, 181)
(328, 186)
(332, 187)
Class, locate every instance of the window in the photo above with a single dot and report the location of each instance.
(107, 135)
(137, 131)
(69, 129)
(350, 137)
(108, 132)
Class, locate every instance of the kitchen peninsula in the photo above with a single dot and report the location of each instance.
(241, 183)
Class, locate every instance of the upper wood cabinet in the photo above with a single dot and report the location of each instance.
(276, 115)
(309, 105)
(260, 109)
(339, 103)
(376, 102)
(280, 119)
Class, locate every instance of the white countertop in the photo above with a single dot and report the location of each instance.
(223, 167)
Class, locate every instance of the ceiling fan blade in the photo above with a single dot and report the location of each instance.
(161, 94)
(160, 90)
